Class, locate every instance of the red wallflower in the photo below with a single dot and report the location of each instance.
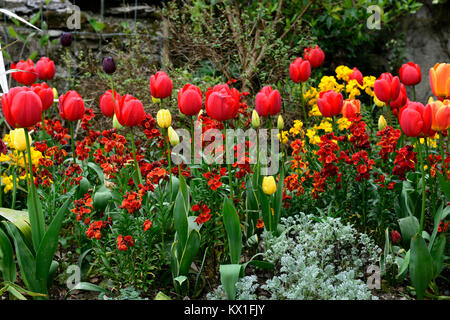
(95, 229)
(204, 213)
(124, 242)
(82, 207)
(388, 143)
(132, 202)
(213, 178)
(147, 225)
(405, 161)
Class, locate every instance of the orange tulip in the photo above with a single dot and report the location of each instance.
(351, 108)
(441, 115)
(440, 80)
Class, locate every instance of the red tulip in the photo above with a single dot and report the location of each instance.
(357, 75)
(300, 70)
(387, 87)
(416, 120)
(71, 106)
(22, 107)
(107, 103)
(28, 76)
(130, 111)
(315, 56)
(160, 85)
(395, 237)
(221, 102)
(45, 93)
(190, 100)
(330, 103)
(351, 108)
(268, 102)
(45, 69)
(401, 100)
(410, 74)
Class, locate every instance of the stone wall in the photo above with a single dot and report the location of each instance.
(428, 41)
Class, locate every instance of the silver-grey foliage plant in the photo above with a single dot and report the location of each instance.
(313, 259)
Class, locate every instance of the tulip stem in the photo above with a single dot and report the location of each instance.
(303, 103)
(31, 192)
(13, 205)
(389, 115)
(228, 164)
(444, 169)
(112, 91)
(133, 146)
(72, 141)
(169, 160)
(44, 135)
(419, 147)
(414, 92)
(69, 67)
(192, 141)
(25, 166)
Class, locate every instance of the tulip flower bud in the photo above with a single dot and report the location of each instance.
(55, 94)
(280, 123)
(18, 139)
(66, 39)
(382, 123)
(395, 237)
(256, 122)
(109, 66)
(269, 185)
(116, 123)
(101, 198)
(164, 118)
(174, 139)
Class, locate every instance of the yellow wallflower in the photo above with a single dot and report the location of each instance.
(311, 96)
(297, 128)
(343, 123)
(7, 181)
(315, 111)
(368, 83)
(325, 125)
(313, 137)
(330, 83)
(343, 73)
(352, 89)
(284, 137)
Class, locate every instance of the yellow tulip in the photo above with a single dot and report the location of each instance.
(55, 93)
(164, 118)
(18, 139)
(269, 185)
(256, 122)
(382, 123)
(280, 122)
(173, 137)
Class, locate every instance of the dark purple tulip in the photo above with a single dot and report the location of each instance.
(3, 149)
(66, 39)
(109, 66)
